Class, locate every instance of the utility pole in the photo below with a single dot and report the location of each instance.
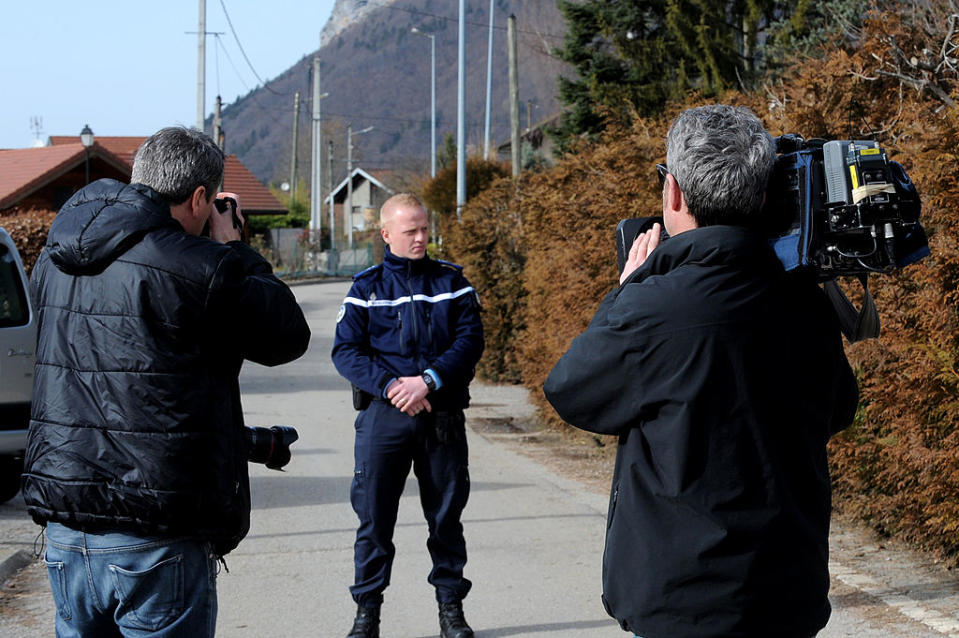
(329, 183)
(218, 123)
(316, 184)
(461, 116)
(349, 175)
(296, 121)
(489, 78)
(348, 213)
(218, 138)
(513, 96)
(201, 68)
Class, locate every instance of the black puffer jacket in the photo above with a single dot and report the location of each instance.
(136, 422)
(723, 377)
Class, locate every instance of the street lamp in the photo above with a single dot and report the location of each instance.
(432, 38)
(349, 175)
(86, 138)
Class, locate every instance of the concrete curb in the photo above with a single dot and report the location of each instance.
(14, 563)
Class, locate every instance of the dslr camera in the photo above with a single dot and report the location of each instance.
(222, 205)
(837, 208)
(270, 446)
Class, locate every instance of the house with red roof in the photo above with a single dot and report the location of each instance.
(46, 177)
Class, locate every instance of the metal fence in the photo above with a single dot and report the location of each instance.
(294, 252)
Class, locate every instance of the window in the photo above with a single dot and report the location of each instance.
(13, 298)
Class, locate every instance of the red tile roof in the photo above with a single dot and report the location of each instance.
(24, 170)
(124, 147)
(254, 196)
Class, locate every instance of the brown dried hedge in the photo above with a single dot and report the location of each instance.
(897, 466)
(29, 230)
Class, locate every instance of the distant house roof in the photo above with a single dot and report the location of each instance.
(24, 170)
(256, 198)
(124, 147)
(357, 172)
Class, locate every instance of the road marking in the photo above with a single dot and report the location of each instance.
(907, 606)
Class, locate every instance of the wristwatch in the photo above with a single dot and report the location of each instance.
(429, 381)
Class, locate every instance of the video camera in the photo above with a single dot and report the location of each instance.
(270, 446)
(843, 208)
(836, 207)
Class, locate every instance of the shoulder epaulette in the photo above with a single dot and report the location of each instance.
(368, 271)
(448, 264)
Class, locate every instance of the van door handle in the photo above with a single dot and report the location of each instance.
(18, 353)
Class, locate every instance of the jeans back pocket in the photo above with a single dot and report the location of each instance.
(152, 598)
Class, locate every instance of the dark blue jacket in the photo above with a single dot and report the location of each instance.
(405, 316)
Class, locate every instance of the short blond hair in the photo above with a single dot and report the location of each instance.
(397, 201)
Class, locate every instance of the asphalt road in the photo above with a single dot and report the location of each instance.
(535, 539)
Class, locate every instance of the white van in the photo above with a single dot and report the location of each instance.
(18, 341)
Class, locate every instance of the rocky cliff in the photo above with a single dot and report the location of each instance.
(348, 12)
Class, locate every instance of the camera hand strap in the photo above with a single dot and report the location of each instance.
(855, 324)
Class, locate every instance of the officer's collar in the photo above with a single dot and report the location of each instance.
(405, 264)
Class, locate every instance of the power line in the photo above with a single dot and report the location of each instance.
(245, 57)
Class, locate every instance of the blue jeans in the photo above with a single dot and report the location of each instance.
(113, 584)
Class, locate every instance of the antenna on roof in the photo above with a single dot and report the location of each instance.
(36, 125)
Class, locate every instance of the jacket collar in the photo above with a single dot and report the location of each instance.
(709, 245)
(404, 264)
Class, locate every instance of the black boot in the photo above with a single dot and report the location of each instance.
(367, 623)
(452, 622)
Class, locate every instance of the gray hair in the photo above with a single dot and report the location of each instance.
(721, 157)
(175, 161)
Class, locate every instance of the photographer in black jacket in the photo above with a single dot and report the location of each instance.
(723, 377)
(137, 459)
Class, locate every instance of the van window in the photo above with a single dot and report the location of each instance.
(13, 298)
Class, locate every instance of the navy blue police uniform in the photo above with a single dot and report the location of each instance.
(405, 318)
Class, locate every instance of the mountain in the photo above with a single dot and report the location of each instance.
(376, 72)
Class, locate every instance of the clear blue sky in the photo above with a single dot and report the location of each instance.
(128, 67)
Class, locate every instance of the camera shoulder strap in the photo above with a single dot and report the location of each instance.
(855, 324)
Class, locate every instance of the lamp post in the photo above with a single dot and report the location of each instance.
(432, 38)
(349, 175)
(86, 138)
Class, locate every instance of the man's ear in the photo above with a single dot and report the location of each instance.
(673, 194)
(385, 234)
(198, 200)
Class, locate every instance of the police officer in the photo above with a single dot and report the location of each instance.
(408, 337)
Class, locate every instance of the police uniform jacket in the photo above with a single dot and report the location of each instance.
(723, 377)
(136, 419)
(405, 316)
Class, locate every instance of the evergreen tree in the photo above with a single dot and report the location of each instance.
(635, 55)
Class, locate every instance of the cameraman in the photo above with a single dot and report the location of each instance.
(723, 378)
(136, 460)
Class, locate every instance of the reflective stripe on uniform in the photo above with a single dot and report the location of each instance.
(407, 299)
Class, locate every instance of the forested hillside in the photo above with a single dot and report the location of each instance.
(377, 73)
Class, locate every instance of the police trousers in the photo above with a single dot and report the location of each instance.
(387, 443)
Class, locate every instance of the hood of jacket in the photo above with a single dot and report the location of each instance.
(101, 222)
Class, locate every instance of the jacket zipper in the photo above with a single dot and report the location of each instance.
(399, 331)
(416, 330)
(612, 507)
